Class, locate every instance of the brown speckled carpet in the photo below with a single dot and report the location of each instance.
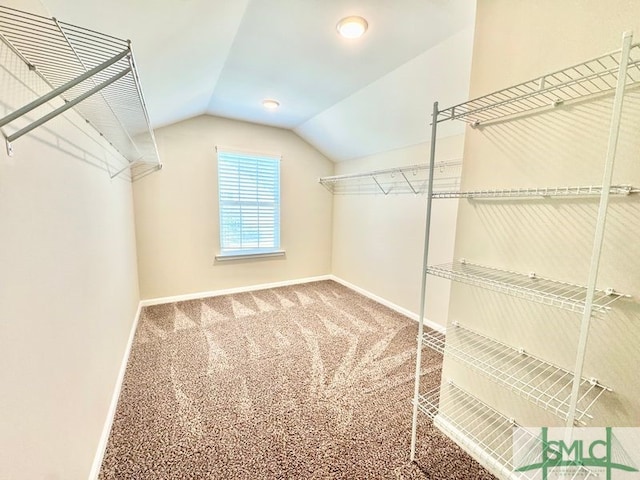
(311, 381)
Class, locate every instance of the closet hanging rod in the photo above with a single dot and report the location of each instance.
(63, 88)
(92, 72)
(66, 106)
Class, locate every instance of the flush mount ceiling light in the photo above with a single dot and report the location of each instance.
(352, 27)
(270, 103)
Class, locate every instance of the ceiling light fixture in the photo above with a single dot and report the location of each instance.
(270, 104)
(352, 27)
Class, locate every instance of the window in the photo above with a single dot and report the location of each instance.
(249, 201)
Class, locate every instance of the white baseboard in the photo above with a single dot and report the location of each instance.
(229, 291)
(111, 413)
(391, 305)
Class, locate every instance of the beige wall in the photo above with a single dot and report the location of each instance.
(517, 41)
(378, 240)
(68, 291)
(177, 212)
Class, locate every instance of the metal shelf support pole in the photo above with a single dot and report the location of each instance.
(425, 259)
(614, 131)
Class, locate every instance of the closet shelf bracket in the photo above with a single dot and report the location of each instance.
(386, 192)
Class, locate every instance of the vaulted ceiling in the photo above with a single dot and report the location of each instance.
(348, 98)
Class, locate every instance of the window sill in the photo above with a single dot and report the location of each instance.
(247, 256)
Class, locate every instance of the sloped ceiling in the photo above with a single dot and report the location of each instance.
(348, 98)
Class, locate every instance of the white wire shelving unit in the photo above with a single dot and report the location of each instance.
(528, 286)
(487, 434)
(91, 72)
(532, 378)
(480, 429)
(397, 180)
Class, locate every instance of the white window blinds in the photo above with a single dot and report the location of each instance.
(249, 201)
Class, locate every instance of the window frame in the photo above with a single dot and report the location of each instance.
(249, 183)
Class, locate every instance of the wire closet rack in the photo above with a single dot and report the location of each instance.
(407, 179)
(579, 191)
(592, 77)
(476, 426)
(542, 383)
(486, 432)
(528, 286)
(93, 73)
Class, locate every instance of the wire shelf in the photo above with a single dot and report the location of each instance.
(485, 433)
(409, 179)
(528, 286)
(588, 190)
(596, 76)
(428, 402)
(539, 381)
(84, 63)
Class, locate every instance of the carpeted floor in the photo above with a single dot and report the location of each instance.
(311, 381)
